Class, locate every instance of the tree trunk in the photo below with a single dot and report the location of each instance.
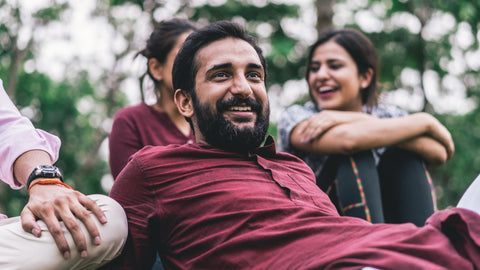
(422, 12)
(16, 59)
(324, 14)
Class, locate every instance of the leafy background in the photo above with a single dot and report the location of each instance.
(429, 52)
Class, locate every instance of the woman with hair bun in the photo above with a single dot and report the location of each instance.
(158, 124)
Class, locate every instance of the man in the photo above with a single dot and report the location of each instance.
(72, 231)
(227, 203)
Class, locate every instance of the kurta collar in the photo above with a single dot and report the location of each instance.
(268, 149)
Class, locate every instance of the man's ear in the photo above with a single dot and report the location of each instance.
(155, 68)
(184, 103)
(366, 78)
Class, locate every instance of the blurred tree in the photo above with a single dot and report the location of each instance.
(79, 107)
(267, 20)
(73, 108)
(324, 14)
(16, 47)
(420, 44)
(16, 43)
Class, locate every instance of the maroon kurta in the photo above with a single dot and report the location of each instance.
(137, 126)
(203, 208)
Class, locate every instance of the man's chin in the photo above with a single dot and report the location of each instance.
(244, 126)
(242, 123)
(241, 120)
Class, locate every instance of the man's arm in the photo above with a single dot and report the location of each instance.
(136, 195)
(27, 147)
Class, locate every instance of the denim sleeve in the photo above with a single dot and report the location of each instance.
(289, 119)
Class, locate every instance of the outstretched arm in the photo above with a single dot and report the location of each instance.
(23, 148)
(52, 203)
(420, 133)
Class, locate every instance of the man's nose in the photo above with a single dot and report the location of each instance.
(241, 87)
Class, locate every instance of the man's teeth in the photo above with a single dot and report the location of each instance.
(240, 108)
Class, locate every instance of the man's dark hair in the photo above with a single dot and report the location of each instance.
(185, 67)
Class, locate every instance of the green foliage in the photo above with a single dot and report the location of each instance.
(113, 3)
(452, 178)
(232, 9)
(280, 68)
(77, 109)
(51, 13)
(56, 110)
(399, 48)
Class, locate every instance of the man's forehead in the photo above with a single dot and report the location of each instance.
(227, 50)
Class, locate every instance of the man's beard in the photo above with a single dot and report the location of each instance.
(223, 134)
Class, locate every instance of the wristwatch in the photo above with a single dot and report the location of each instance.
(44, 171)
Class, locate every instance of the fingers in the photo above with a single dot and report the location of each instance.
(93, 207)
(53, 204)
(446, 139)
(313, 128)
(450, 149)
(77, 210)
(47, 214)
(29, 223)
(55, 229)
(84, 215)
(442, 134)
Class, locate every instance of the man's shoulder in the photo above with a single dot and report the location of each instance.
(291, 160)
(163, 150)
(177, 152)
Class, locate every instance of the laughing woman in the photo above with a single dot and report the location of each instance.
(368, 157)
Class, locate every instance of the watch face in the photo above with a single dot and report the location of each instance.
(48, 171)
(44, 171)
(47, 167)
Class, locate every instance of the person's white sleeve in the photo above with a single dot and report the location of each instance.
(471, 198)
(17, 136)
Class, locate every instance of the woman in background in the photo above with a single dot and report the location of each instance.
(158, 124)
(368, 157)
(161, 123)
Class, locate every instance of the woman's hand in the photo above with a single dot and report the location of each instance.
(321, 122)
(440, 133)
(435, 144)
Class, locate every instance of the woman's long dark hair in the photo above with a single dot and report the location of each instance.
(361, 49)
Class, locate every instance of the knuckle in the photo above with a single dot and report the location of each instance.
(56, 231)
(83, 214)
(73, 227)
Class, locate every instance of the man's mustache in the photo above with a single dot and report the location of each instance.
(223, 105)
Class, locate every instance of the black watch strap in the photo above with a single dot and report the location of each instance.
(44, 171)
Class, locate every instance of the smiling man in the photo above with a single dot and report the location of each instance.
(230, 108)
(226, 202)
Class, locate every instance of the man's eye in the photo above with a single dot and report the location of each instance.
(254, 75)
(220, 75)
